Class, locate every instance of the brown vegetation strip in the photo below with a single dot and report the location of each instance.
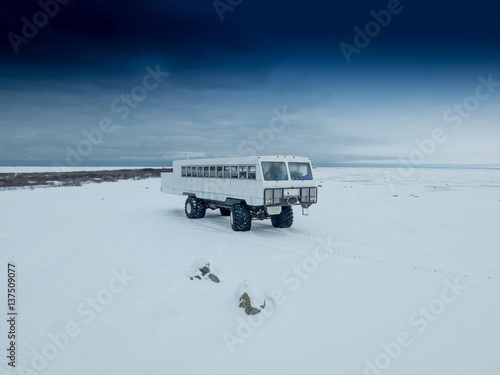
(15, 180)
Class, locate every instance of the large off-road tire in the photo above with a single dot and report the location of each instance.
(241, 218)
(194, 208)
(224, 211)
(284, 219)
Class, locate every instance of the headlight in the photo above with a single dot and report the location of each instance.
(268, 197)
(278, 196)
(273, 196)
(304, 195)
(313, 193)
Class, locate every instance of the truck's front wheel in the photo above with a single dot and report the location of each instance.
(284, 219)
(241, 218)
(194, 208)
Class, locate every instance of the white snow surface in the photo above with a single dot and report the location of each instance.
(377, 279)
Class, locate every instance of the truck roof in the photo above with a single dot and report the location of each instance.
(241, 160)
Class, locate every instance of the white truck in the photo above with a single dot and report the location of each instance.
(244, 188)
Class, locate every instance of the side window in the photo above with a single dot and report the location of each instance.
(200, 171)
(251, 172)
(183, 172)
(219, 172)
(188, 172)
(194, 172)
(227, 171)
(205, 172)
(243, 172)
(234, 172)
(212, 172)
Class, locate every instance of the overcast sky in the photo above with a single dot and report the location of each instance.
(123, 82)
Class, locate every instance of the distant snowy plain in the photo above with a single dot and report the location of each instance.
(387, 275)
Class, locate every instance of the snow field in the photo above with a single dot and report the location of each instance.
(368, 283)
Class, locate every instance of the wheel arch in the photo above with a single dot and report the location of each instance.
(235, 201)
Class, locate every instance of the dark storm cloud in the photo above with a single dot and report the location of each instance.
(226, 78)
(92, 32)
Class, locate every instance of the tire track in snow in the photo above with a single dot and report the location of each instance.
(347, 255)
(294, 232)
(481, 271)
(221, 226)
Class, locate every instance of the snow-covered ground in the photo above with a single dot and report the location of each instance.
(378, 279)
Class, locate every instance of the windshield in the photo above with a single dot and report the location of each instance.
(300, 171)
(274, 171)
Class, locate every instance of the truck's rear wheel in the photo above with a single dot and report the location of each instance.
(194, 208)
(284, 219)
(241, 218)
(224, 211)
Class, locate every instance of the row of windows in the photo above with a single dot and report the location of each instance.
(226, 171)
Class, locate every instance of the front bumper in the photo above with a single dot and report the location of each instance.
(304, 196)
